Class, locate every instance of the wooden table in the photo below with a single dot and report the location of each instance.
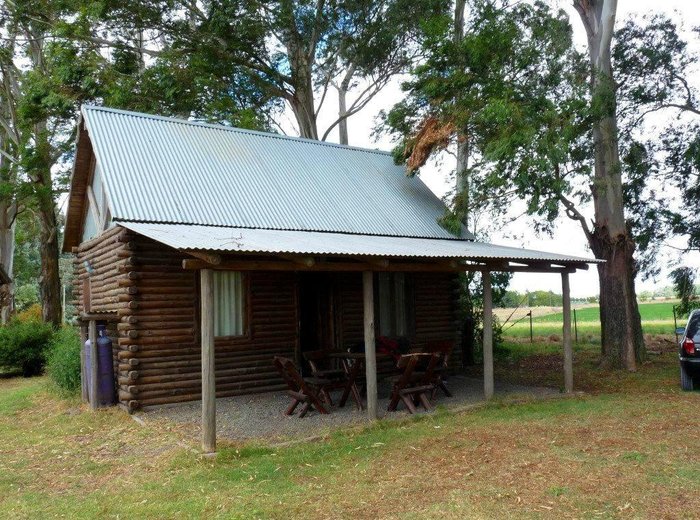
(353, 363)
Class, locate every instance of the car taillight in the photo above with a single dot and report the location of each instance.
(689, 346)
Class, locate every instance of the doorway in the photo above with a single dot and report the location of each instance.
(316, 311)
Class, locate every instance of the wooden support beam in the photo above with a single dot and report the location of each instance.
(370, 352)
(382, 263)
(92, 392)
(208, 365)
(488, 335)
(441, 266)
(304, 261)
(208, 258)
(568, 349)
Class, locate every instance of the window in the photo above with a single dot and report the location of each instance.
(229, 303)
(393, 305)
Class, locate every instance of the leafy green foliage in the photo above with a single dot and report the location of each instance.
(238, 62)
(23, 346)
(515, 87)
(63, 360)
(684, 286)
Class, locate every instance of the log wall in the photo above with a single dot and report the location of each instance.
(434, 303)
(156, 338)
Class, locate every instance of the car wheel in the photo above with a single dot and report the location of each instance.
(686, 380)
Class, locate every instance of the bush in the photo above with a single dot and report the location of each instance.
(23, 346)
(63, 360)
(31, 313)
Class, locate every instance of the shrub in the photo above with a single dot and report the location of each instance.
(23, 346)
(31, 313)
(63, 360)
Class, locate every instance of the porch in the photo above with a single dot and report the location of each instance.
(261, 416)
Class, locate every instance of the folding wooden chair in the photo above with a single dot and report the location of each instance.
(301, 390)
(321, 365)
(411, 386)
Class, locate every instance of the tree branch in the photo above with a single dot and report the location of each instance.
(575, 214)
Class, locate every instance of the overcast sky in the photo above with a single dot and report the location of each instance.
(568, 237)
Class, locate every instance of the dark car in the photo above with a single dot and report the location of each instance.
(689, 352)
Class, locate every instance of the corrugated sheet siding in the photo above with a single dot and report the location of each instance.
(166, 170)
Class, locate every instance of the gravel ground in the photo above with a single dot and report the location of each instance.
(262, 415)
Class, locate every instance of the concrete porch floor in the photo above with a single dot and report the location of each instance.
(261, 416)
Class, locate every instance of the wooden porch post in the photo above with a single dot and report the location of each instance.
(92, 391)
(370, 353)
(568, 352)
(83, 366)
(488, 335)
(208, 367)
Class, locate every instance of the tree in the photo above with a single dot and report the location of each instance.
(9, 163)
(292, 51)
(542, 126)
(621, 324)
(49, 78)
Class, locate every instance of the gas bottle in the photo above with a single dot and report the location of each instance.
(106, 395)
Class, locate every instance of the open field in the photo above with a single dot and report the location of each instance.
(620, 451)
(657, 318)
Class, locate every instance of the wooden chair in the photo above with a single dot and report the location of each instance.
(444, 348)
(322, 368)
(413, 386)
(301, 390)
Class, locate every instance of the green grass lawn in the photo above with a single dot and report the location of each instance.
(657, 318)
(620, 451)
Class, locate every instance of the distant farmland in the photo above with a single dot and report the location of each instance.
(657, 318)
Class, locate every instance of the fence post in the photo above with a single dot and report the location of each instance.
(530, 314)
(575, 327)
(675, 322)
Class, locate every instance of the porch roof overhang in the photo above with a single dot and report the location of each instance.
(212, 246)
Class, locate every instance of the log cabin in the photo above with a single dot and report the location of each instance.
(209, 249)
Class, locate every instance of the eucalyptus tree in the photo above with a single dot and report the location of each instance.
(45, 79)
(562, 132)
(295, 52)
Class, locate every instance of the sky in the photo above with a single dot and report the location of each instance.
(568, 237)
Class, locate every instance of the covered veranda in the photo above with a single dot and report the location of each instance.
(270, 250)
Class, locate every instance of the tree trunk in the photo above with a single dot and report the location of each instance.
(621, 328)
(49, 281)
(8, 212)
(342, 113)
(302, 101)
(622, 341)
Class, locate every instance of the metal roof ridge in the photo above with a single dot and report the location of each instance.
(215, 126)
(349, 233)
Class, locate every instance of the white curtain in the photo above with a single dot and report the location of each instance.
(229, 301)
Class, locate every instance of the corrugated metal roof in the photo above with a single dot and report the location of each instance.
(159, 169)
(264, 241)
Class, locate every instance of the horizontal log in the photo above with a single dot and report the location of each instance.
(221, 389)
(158, 401)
